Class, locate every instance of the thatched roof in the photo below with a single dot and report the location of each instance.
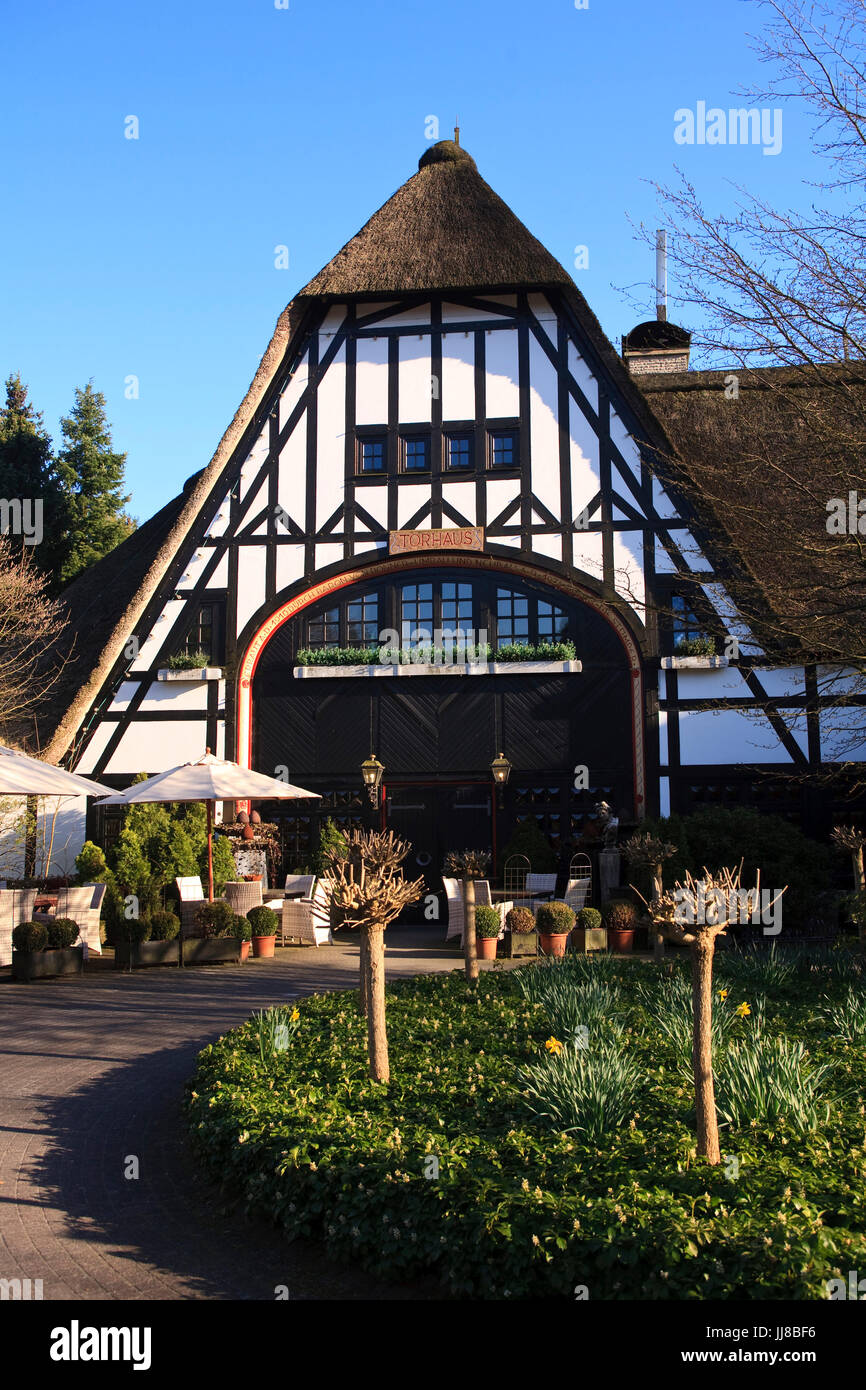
(444, 229)
(765, 450)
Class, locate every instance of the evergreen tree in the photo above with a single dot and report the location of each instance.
(28, 473)
(92, 475)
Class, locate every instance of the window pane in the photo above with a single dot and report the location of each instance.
(324, 630)
(372, 455)
(459, 451)
(503, 449)
(416, 454)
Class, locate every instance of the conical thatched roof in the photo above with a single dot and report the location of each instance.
(444, 228)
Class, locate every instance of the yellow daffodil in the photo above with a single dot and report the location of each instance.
(723, 994)
(294, 1015)
(743, 1010)
(554, 1045)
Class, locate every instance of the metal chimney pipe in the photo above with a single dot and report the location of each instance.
(661, 276)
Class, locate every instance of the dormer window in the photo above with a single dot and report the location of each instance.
(416, 453)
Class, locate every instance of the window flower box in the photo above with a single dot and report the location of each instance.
(198, 673)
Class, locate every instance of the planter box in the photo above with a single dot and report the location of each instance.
(219, 950)
(523, 943)
(467, 668)
(585, 939)
(198, 673)
(45, 965)
(139, 953)
(694, 663)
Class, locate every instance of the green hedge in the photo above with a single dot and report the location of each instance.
(444, 1171)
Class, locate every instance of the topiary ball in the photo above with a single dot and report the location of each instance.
(554, 919)
(589, 918)
(215, 918)
(164, 926)
(62, 933)
(263, 921)
(29, 936)
(136, 930)
(487, 923)
(520, 920)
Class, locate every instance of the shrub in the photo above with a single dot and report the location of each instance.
(224, 869)
(330, 839)
(189, 661)
(135, 930)
(164, 926)
(29, 936)
(91, 865)
(487, 922)
(589, 918)
(529, 841)
(519, 920)
(241, 927)
(215, 918)
(695, 646)
(263, 921)
(619, 915)
(62, 933)
(554, 919)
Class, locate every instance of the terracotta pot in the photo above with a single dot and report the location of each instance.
(620, 939)
(485, 947)
(263, 945)
(245, 950)
(553, 945)
(252, 878)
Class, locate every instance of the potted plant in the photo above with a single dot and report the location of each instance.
(243, 930)
(620, 918)
(218, 943)
(588, 933)
(41, 951)
(554, 921)
(487, 929)
(263, 923)
(149, 941)
(522, 934)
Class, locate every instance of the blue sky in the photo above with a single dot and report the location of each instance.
(262, 126)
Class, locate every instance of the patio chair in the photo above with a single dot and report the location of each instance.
(243, 897)
(83, 906)
(309, 919)
(191, 896)
(300, 882)
(16, 906)
(579, 882)
(540, 883)
(483, 898)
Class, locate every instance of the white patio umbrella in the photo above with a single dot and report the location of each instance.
(210, 779)
(21, 775)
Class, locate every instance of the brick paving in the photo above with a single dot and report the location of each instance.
(92, 1070)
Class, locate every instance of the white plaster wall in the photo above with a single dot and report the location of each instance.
(411, 497)
(251, 582)
(415, 393)
(290, 565)
(503, 395)
(176, 695)
(158, 634)
(544, 429)
(95, 748)
(584, 460)
(291, 487)
(371, 388)
(157, 745)
(295, 388)
(461, 496)
(583, 376)
(729, 736)
(331, 439)
(458, 376)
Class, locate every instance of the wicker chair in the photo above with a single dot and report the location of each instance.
(483, 898)
(191, 896)
(16, 906)
(540, 883)
(296, 883)
(83, 906)
(243, 897)
(309, 919)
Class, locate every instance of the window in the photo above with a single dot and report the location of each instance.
(416, 612)
(205, 634)
(362, 621)
(457, 608)
(503, 450)
(372, 454)
(512, 618)
(324, 630)
(416, 453)
(458, 452)
(685, 626)
(552, 622)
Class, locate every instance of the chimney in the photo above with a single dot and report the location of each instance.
(658, 346)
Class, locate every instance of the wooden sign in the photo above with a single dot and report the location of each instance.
(448, 538)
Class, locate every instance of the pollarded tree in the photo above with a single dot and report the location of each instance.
(468, 865)
(92, 475)
(369, 891)
(650, 852)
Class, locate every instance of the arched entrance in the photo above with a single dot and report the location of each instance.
(436, 735)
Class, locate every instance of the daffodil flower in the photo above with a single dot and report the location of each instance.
(743, 1010)
(554, 1045)
(723, 994)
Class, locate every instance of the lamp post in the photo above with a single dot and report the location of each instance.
(500, 771)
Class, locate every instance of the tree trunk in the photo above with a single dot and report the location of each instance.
(702, 1004)
(469, 951)
(860, 887)
(363, 974)
(659, 940)
(377, 1036)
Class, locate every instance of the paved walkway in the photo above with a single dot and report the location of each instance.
(92, 1070)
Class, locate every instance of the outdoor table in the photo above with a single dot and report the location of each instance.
(521, 894)
(46, 902)
(280, 894)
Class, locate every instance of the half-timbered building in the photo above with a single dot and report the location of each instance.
(439, 439)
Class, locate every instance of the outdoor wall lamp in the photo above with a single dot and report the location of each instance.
(371, 771)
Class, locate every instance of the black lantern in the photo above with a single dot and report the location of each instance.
(371, 771)
(500, 770)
